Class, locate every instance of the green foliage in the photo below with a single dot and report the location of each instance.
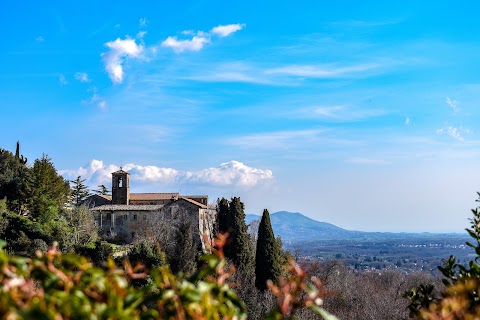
(19, 157)
(19, 232)
(149, 254)
(97, 253)
(102, 190)
(15, 182)
(38, 245)
(50, 190)
(268, 256)
(461, 297)
(79, 191)
(80, 226)
(56, 286)
(222, 215)
(238, 248)
(183, 258)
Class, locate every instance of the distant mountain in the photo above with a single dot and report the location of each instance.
(294, 226)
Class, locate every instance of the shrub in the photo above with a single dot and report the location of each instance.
(461, 297)
(67, 286)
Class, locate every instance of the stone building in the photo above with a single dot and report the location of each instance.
(125, 216)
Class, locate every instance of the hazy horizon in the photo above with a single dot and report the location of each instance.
(362, 115)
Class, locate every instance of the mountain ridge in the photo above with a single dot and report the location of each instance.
(296, 227)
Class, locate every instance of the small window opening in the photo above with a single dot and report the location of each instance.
(134, 217)
(120, 182)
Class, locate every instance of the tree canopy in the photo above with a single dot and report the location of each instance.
(268, 254)
(79, 191)
(238, 248)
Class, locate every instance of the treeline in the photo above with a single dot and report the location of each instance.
(33, 207)
(164, 275)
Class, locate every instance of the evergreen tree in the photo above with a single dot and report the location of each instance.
(79, 191)
(50, 190)
(15, 182)
(222, 216)
(238, 248)
(268, 258)
(148, 253)
(20, 158)
(184, 255)
(102, 190)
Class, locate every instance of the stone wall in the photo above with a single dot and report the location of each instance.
(126, 225)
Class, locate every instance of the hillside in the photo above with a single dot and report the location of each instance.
(294, 226)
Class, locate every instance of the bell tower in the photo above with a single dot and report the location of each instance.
(120, 187)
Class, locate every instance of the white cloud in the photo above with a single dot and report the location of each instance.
(143, 22)
(82, 77)
(200, 38)
(407, 121)
(97, 100)
(323, 71)
(114, 59)
(179, 46)
(226, 30)
(328, 111)
(452, 103)
(233, 173)
(455, 133)
(63, 81)
(141, 34)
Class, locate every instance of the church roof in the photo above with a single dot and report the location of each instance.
(105, 196)
(130, 207)
(153, 196)
(198, 204)
(121, 171)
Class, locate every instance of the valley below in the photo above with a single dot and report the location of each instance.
(309, 240)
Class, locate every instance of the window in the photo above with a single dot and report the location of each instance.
(134, 217)
(120, 182)
(133, 235)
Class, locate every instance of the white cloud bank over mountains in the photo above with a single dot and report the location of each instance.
(232, 173)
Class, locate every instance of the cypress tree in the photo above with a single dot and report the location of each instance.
(268, 258)
(20, 158)
(222, 210)
(238, 248)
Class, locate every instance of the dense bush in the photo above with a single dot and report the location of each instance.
(461, 297)
(67, 286)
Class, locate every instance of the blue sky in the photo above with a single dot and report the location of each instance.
(361, 114)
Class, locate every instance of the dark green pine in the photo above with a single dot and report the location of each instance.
(238, 248)
(268, 258)
(222, 209)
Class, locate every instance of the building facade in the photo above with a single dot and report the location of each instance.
(124, 216)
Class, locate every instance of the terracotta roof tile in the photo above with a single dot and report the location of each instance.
(124, 207)
(198, 204)
(153, 196)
